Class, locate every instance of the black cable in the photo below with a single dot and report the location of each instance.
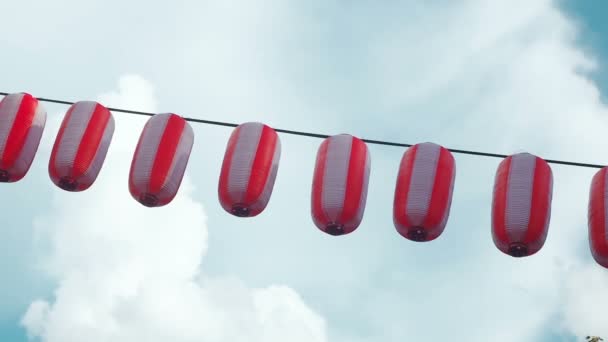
(323, 136)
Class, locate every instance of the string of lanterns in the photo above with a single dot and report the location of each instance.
(521, 202)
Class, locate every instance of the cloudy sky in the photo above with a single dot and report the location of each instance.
(501, 76)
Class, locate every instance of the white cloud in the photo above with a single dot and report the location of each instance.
(585, 295)
(130, 273)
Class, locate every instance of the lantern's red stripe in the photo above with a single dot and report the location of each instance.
(166, 152)
(354, 182)
(261, 166)
(18, 133)
(91, 140)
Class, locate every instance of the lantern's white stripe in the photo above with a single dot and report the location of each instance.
(520, 187)
(422, 182)
(336, 175)
(72, 136)
(243, 157)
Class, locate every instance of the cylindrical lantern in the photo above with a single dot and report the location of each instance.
(160, 159)
(423, 193)
(339, 188)
(22, 121)
(250, 166)
(81, 146)
(521, 204)
(597, 215)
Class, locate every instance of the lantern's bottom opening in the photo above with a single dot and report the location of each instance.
(334, 229)
(68, 183)
(148, 200)
(517, 250)
(240, 210)
(418, 234)
(4, 176)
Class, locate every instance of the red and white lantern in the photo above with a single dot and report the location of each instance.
(597, 217)
(340, 182)
(160, 159)
(423, 193)
(22, 121)
(249, 169)
(81, 146)
(521, 205)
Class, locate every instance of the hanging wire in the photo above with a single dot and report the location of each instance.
(323, 136)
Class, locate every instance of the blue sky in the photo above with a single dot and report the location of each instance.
(589, 15)
(500, 77)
